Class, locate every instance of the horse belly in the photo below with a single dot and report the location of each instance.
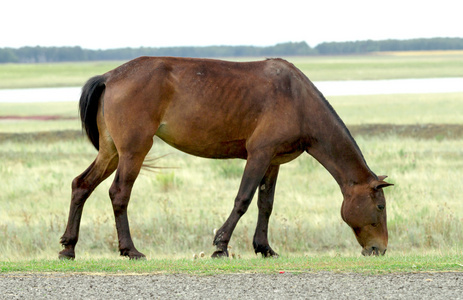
(200, 145)
(286, 157)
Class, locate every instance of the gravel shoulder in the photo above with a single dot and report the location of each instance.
(323, 285)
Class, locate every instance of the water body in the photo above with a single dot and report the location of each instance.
(392, 86)
(67, 94)
(328, 88)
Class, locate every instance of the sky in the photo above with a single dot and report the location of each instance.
(102, 24)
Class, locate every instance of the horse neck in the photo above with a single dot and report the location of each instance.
(333, 146)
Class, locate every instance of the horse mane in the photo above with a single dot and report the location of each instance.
(338, 119)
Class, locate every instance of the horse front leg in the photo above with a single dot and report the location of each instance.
(265, 205)
(256, 166)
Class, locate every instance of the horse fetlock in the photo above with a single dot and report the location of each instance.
(68, 241)
(220, 240)
(68, 251)
(221, 245)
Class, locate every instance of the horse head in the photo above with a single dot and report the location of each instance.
(364, 210)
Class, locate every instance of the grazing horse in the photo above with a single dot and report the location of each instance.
(267, 112)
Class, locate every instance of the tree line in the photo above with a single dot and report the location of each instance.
(62, 54)
(359, 47)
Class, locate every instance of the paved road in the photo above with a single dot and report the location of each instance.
(234, 286)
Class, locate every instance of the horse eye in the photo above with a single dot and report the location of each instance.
(381, 206)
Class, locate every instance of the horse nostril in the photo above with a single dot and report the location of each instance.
(381, 206)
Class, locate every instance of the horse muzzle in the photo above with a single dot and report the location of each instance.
(376, 251)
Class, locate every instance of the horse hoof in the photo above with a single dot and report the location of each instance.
(132, 254)
(266, 251)
(270, 254)
(137, 257)
(219, 254)
(66, 256)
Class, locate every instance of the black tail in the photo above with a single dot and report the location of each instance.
(88, 107)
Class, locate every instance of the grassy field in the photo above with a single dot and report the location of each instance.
(13, 76)
(365, 67)
(174, 211)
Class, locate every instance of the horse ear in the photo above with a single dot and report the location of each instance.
(382, 177)
(380, 183)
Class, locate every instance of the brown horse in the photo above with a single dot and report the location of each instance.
(267, 112)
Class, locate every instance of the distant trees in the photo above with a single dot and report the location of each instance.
(59, 54)
(42, 54)
(334, 48)
(8, 55)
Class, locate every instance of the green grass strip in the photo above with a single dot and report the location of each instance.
(207, 266)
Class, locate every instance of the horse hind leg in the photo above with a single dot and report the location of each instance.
(130, 163)
(265, 205)
(82, 186)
